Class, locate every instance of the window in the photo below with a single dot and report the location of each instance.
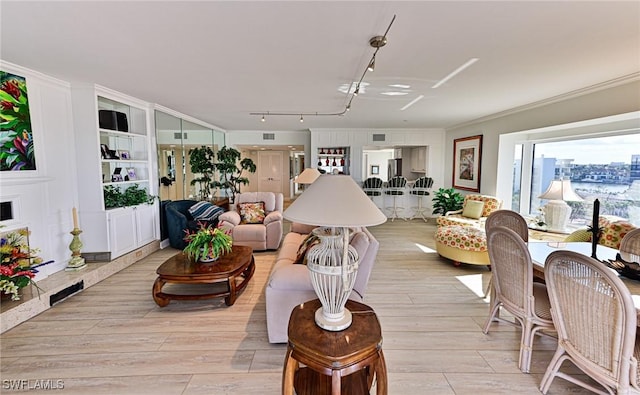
(606, 168)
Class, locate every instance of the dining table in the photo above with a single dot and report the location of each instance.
(539, 252)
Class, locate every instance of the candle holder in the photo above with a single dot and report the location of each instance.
(594, 229)
(76, 262)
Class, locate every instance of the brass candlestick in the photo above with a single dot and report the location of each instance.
(76, 262)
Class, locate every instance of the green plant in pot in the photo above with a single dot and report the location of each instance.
(231, 166)
(207, 243)
(447, 200)
(132, 196)
(201, 162)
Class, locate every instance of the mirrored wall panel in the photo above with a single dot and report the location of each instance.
(176, 137)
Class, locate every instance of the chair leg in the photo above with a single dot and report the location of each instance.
(420, 210)
(494, 307)
(526, 346)
(552, 369)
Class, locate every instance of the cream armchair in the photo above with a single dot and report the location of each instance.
(259, 226)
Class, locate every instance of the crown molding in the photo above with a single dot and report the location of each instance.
(555, 99)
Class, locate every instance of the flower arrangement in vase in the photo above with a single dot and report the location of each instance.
(18, 263)
(207, 243)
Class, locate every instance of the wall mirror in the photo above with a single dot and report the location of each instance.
(175, 137)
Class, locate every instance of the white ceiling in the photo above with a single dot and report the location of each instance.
(219, 61)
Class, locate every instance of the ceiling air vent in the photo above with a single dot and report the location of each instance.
(268, 136)
(378, 137)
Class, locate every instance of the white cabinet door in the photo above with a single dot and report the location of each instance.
(122, 231)
(145, 218)
(419, 159)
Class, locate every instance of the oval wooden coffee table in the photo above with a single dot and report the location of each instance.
(234, 268)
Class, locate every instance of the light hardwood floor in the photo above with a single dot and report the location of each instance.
(113, 339)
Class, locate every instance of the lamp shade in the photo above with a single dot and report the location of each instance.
(308, 176)
(560, 190)
(334, 200)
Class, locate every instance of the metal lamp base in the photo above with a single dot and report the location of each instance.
(333, 324)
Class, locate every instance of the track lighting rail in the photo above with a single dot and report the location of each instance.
(376, 42)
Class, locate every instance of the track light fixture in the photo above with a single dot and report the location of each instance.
(376, 42)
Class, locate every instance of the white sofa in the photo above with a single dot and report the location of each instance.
(289, 284)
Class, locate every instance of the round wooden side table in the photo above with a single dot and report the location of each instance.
(346, 361)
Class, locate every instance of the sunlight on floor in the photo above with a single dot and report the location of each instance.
(424, 248)
(474, 283)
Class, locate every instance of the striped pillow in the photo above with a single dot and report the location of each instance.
(205, 211)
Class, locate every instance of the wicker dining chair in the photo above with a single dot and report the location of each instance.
(511, 220)
(515, 290)
(631, 245)
(596, 321)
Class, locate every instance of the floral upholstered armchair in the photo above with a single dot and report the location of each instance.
(475, 210)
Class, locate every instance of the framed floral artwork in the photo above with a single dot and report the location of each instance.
(16, 135)
(467, 160)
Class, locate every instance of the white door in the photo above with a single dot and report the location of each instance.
(270, 171)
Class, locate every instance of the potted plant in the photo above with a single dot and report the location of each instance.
(207, 243)
(231, 167)
(18, 263)
(201, 161)
(132, 196)
(447, 200)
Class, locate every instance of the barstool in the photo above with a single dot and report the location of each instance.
(372, 186)
(421, 189)
(395, 188)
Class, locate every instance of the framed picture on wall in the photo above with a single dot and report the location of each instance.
(375, 169)
(467, 158)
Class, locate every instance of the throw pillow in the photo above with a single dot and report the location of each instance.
(252, 213)
(305, 246)
(205, 211)
(473, 209)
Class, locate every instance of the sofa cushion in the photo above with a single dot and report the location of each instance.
(465, 238)
(473, 209)
(305, 246)
(360, 242)
(613, 233)
(205, 211)
(252, 213)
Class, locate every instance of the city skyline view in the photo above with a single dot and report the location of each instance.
(604, 150)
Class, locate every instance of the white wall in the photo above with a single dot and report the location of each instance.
(615, 100)
(358, 139)
(43, 199)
